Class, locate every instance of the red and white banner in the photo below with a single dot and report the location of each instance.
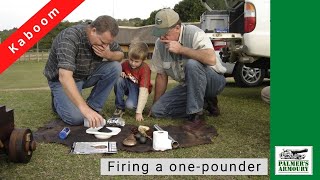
(34, 29)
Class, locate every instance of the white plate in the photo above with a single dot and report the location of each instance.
(103, 135)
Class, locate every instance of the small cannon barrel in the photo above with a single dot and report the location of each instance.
(17, 143)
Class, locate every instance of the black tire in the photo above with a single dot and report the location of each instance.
(248, 77)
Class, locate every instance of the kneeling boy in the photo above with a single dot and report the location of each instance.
(134, 82)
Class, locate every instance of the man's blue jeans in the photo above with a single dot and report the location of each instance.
(201, 82)
(123, 87)
(103, 79)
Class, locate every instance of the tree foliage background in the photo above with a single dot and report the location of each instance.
(189, 11)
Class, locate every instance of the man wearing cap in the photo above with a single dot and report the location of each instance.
(186, 54)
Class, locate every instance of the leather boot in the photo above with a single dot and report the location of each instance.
(196, 121)
(212, 107)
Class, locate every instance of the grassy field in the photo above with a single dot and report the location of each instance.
(243, 129)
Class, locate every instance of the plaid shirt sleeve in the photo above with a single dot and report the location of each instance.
(66, 50)
(115, 47)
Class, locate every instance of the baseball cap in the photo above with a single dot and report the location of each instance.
(164, 19)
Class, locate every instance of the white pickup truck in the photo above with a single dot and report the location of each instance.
(241, 36)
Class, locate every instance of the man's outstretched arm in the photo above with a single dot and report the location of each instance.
(70, 88)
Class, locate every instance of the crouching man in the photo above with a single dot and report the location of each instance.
(186, 54)
(83, 56)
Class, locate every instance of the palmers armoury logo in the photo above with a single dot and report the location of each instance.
(293, 160)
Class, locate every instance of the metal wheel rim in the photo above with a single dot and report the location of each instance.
(251, 75)
(17, 143)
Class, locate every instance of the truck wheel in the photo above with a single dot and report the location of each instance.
(246, 76)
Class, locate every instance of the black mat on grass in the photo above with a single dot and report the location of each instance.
(49, 134)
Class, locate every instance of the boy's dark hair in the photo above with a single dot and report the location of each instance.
(105, 23)
(138, 50)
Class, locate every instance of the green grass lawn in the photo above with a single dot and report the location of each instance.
(23, 75)
(243, 128)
